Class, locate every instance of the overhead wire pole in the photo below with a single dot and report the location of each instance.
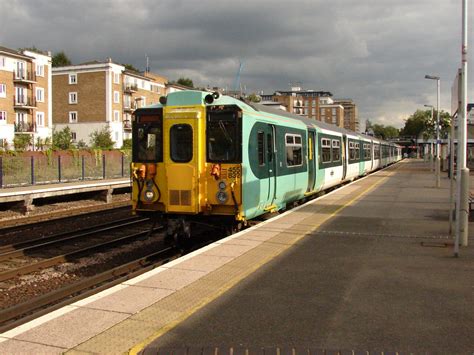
(462, 207)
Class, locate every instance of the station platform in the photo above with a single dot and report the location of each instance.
(25, 196)
(366, 268)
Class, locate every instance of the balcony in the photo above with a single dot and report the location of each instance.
(23, 102)
(25, 76)
(25, 127)
(127, 125)
(129, 106)
(130, 88)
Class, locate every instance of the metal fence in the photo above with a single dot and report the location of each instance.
(62, 167)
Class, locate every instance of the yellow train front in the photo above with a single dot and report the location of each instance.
(175, 178)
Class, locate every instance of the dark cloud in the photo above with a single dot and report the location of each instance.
(376, 52)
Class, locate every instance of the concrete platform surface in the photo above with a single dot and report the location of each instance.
(368, 267)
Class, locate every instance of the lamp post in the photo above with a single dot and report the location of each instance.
(431, 144)
(437, 167)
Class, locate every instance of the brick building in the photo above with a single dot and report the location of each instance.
(351, 114)
(91, 96)
(25, 96)
(332, 114)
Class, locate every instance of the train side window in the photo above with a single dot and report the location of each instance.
(357, 150)
(260, 148)
(336, 150)
(326, 150)
(270, 148)
(352, 153)
(294, 150)
(181, 143)
(376, 151)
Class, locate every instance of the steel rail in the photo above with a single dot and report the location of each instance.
(12, 224)
(27, 269)
(19, 249)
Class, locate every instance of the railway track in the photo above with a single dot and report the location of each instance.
(34, 255)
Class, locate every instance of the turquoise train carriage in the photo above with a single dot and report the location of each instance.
(200, 157)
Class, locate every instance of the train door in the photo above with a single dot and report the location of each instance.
(311, 160)
(344, 157)
(182, 138)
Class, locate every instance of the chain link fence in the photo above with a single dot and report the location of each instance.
(33, 168)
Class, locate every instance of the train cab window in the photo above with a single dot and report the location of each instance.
(326, 150)
(147, 137)
(294, 150)
(260, 148)
(181, 143)
(336, 150)
(223, 134)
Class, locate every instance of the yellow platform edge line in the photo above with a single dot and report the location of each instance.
(139, 347)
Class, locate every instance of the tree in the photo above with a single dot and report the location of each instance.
(421, 122)
(62, 139)
(33, 49)
(22, 141)
(102, 139)
(253, 97)
(60, 59)
(130, 67)
(127, 144)
(185, 82)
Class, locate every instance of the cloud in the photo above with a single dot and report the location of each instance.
(376, 52)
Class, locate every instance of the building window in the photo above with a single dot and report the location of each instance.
(3, 90)
(3, 62)
(73, 97)
(116, 116)
(73, 136)
(39, 69)
(72, 78)
(116, 136)
(40, 94)
(40, 119)
(73, 117)
(334, 112)
(20, 118)
(116, 78)
(3, 117)
(294, 148)
(116, 97)
(143, 101)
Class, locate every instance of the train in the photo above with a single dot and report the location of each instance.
(206, 158)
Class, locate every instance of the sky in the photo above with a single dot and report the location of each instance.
(375, 52)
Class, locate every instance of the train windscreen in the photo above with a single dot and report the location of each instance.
(147, 136)
(223, 134)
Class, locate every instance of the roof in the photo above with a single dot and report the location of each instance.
(14, 52)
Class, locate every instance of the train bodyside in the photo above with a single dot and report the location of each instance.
(199, 155)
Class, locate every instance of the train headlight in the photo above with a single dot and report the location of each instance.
(222, 196)
(222, 185)
(149, 195)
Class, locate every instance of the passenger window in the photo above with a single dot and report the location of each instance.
(336, 150)
(260, 148)
(326, 150)
(181, 143)
(269, 148)
(294, 156)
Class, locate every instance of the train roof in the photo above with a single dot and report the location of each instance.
(195, 97)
